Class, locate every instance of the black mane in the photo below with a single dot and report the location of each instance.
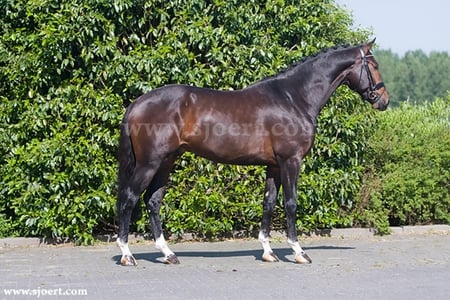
(305, 59)
(323, 51)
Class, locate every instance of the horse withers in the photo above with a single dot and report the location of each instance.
(271, 123)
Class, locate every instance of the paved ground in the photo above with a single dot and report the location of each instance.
(405, 265)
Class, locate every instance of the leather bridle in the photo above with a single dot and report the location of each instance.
(372, 96)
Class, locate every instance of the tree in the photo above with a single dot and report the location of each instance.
(68, 68)
(415, 77)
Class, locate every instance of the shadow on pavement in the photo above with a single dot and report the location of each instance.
(283, 253)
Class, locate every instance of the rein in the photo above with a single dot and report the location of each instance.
(373, 96)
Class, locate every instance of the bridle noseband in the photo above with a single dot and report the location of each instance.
(373, 96)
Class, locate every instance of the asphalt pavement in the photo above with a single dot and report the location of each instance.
(412, 263)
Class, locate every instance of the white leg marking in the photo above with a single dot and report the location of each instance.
(300, 255)
(161, 245)
(265, 243)
(268, 254)
(296, 247)
(123, 247)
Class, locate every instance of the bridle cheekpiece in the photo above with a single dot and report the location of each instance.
(372, 96)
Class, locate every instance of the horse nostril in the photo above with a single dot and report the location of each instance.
(383, 105)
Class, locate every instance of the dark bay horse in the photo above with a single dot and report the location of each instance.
(271, 123)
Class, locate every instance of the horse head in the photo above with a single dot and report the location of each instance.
(365, 78)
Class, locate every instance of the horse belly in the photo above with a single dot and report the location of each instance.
(231, 143)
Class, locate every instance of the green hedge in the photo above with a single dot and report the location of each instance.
(408, 177)
(69, 67)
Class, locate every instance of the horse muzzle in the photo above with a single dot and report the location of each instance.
(381, 104)
(378, 100)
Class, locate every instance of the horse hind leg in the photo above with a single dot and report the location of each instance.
(128, 198)
(153, 199)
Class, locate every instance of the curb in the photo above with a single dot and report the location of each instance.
(18, 242)
(394, 231)
(344, 233)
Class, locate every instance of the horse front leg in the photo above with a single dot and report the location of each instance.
(270, 200)
(290, 170)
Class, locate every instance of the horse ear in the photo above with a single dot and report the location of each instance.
(369, 46)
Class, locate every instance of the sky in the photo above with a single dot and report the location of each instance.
(403, 25)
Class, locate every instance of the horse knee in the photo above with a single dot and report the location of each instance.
(153, 199)
(127, 201)
(269, 205)
(291, 207)
(153, 207)
(270, 200)
(153, 204)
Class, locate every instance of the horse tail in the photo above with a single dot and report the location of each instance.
(127, 160)
(127, 164)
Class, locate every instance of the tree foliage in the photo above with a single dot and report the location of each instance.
(69, 67)
(416, 76)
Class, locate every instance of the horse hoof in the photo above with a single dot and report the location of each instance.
(270, 257)
(128, 260)
(303, 258)
(172, 260)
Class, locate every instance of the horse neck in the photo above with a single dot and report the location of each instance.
(318, 78)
